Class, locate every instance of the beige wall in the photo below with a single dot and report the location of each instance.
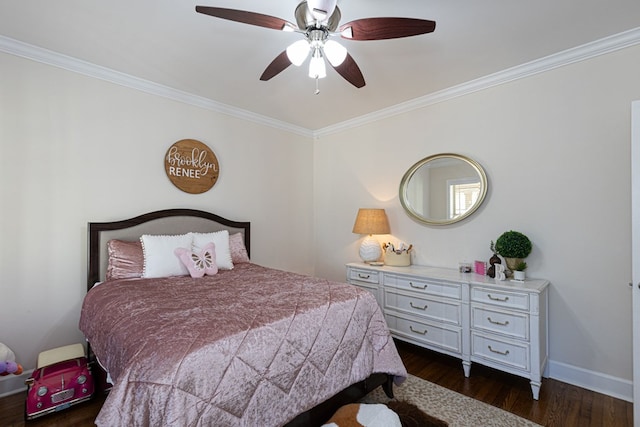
(75, 149)
(556, 149)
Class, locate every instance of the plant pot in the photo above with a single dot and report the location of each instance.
(518, 275)
(512, 263)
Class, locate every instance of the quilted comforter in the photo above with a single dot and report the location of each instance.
(250, 346)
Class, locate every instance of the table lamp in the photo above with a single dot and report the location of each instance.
(370, 222)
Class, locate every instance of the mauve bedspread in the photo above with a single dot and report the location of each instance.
(251, 346)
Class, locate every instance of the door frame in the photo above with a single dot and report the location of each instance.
(635, 254)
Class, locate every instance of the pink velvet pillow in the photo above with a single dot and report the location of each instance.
(126, 259)
(201, 263)
(238, 250)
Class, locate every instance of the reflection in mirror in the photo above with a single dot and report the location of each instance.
(443, 189)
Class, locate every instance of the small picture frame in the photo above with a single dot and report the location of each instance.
(480, 267)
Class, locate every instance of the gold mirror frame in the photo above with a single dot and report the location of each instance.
(435, 160)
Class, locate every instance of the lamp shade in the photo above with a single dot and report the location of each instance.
(317, 68)
(298, 52)
(335, 52)
(371, 221)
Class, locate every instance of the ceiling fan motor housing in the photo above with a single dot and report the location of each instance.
(322, 9)
(307, 18)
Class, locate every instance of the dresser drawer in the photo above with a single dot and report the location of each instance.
(444, 289)
(439, 310)
(366, 276)
(512, 354)
(515, 325)
(517, 300)
(449, 339)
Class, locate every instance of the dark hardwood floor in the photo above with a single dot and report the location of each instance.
(560, 404)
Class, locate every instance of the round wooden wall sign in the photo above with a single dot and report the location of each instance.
(191, 166)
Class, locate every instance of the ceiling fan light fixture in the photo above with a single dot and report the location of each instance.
(317, 20)
(335, 52)
(297, 52)
(317, 67)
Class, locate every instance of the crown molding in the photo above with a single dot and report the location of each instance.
(560, 59)
(49, 57)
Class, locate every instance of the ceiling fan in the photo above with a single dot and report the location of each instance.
(318, 21)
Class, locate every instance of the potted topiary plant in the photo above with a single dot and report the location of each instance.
(514, 247)
(518, 273)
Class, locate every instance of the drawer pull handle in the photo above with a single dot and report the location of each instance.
(497, 322)
(504, 353)
(417, 306)
(364, 276)
(418, 332)
(498, 299)
(416, 286)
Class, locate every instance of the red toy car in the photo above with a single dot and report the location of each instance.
(60, 383)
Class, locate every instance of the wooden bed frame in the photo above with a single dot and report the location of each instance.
(179, 221)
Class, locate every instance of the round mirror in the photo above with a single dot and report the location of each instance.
(443, 189)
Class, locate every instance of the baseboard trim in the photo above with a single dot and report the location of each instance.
(12, 384)
(590, 380)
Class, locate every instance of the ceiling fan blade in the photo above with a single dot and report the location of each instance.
(385, 28)
(350, 71)
(276, 67)
(245, 17)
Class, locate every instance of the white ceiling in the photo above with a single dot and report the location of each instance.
(167, 42)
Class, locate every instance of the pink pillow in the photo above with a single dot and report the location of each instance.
(199, 264)
(126, 259)
(238, 250)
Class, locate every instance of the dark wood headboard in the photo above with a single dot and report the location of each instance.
(168, 221)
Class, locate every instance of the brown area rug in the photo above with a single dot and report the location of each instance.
(454, 408)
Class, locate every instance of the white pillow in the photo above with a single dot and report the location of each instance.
(159, 259)
(221, 240)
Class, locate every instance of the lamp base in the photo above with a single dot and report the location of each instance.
(370, 250)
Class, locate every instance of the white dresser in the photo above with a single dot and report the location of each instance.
(501, 324)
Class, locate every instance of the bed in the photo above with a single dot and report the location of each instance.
(245, 345)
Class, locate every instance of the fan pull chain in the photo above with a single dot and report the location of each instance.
(317, 86)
